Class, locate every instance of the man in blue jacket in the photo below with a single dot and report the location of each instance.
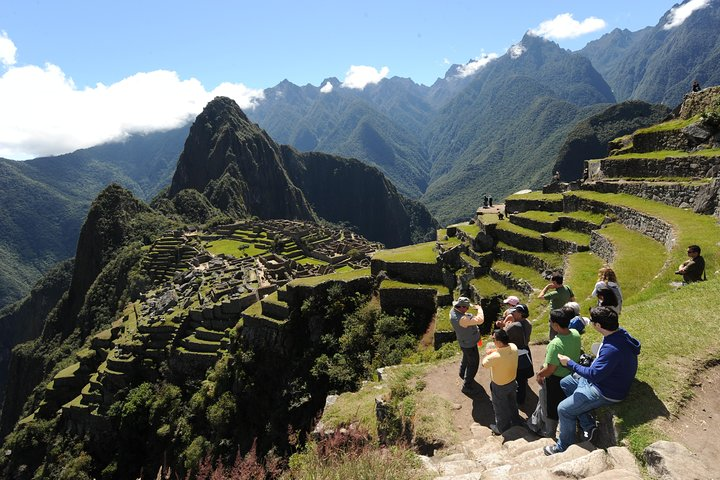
(605, 382)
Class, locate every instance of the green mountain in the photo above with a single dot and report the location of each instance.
(44, 201)
(658, 65)
(589, 138)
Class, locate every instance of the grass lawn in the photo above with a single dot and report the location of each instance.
(420, 253)
(234, 248)
(518, 271)
(663, 154)
(568, 235)
(590, 217)
(676, 124)
(536, 196)
(539, 216)
(342, 276)
(526, 232)
(551, 258)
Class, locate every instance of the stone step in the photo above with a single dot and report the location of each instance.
(691, 193)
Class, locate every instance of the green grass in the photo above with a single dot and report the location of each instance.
(535, 196)
(589, 217)
(311, 261)
(487, 287)
(488, 219)
(342, 276)
(234, 248)
(663, 154)
(676, 124)
(397, 284)
(526, 232)
(442, 319)
(420, 253)
(576, 237)
(525, 273)
(690, 181)
(551, 258)
(690, 229)
(540, 216)
(470, 230)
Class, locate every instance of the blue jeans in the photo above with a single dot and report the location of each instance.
(582, 398)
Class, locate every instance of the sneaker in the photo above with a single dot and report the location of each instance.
(590, 435)
(494, 429)
(551, 450)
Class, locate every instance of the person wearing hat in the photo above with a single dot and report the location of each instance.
(557, 294)
(519, 330)
(467, 331)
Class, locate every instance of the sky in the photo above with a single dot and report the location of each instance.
(77, 73)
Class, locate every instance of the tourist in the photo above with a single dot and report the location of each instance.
(606, 298)
(467, 331)
(608, 279)
(696, 86)
(557, 294)
(502, 362)
(566, 342)
(605, 382)
(692, 269)
(511, 302)
(519, 330)
(578, 322)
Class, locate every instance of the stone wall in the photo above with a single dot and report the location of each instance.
(690, 166)
(422, 303)
(699, 102)
(536, 225)
(681, 195)
(525, 259)
(519, 240)
(520, 205)
(577, 224)
(602, 247)
(408, 271)
(663, 140)
(653, 227)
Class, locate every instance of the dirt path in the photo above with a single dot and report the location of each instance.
(445, 382)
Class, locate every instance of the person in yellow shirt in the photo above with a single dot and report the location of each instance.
(502, 362)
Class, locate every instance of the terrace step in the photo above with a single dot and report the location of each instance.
(675, 164)
(686, 193)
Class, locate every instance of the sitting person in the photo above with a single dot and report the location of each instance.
(502, 362)
(565, 342)
(578, 322)
(692, 269)
(605, 382)
(608, 279)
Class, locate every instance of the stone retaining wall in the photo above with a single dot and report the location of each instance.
(681, 195)
(523, 205)
(653, 227)
(602, 247)
(559, 245)
(699, 102)
(531, 224)
(507, 279)
(663, 140)
(408, 271)
(519, 240)
(525, 259)
(690, 166)
(578, 225)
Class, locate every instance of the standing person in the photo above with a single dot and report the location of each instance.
(467, 331)
(519, 330)
(502, 362)
(605, 382)
(606, 298)
(608, 279)
(507, 317)
(566, 342)
(692, 269)
(558, 295)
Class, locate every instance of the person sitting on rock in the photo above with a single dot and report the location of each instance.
(692, 269)
(467, 331)
(566, 342)
(578, 322)
(605, 382)
(608, 279)
(696, 86)
(502, 360)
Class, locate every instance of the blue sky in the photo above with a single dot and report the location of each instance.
(77, 73)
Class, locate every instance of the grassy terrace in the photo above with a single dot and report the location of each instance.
(470, 230)
(342, 276)
(518, 271)
(663, 154)
(676, 124)
(570, 236)
(420, 253)
(442, 289)
(511, 227)
(690, 181)
(235, 248)
(551, 258)
(539, 216)
(596, 218)
(536, 196)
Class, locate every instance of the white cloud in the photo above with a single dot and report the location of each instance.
(565, 26)
(681, 13)
(327, 88)
(7, 50)
(476, 64)
(44, 113)
(359, 76)
(516, 50)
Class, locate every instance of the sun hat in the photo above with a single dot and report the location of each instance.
(512, 300)
(462, 302)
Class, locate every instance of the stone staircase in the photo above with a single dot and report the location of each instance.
(518, 455)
